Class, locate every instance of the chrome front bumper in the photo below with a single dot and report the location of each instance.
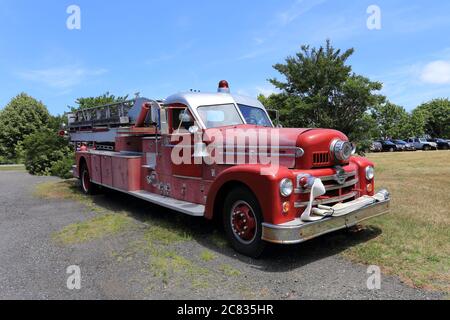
(298, 231)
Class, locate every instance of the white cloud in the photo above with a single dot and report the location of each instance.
(60, 77)
(436, 72)
(299, 8)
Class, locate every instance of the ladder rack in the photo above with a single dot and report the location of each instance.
(110, 115)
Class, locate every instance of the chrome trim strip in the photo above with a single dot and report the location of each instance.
(327, 201)
(334, 177)
(189, 208)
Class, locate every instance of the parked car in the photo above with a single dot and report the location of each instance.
(422, 144)
(405, 146)
(389, 146)
(441, 143)
(376, 147)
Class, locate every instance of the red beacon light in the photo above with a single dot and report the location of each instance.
(62, 133)
(224, 87)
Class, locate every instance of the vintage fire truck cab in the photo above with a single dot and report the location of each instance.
(219, 156)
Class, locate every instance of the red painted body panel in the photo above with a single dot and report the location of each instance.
(106, 169)
(126, 173)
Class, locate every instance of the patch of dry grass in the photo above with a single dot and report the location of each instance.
(415, 239)
(19, 167)
(92, 229)
(59, 190)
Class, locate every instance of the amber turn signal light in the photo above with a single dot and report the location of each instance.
(286, 207)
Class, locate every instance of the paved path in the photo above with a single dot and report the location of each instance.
(33, 266)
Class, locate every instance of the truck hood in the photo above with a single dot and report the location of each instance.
(282, 142)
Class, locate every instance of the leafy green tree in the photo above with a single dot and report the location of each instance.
(22, 116)
(104, 99)
(320, 90)
(436, 116)
(46, 153)
(392, 120)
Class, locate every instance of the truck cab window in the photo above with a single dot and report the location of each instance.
(254, 115)
(181, 120)
(219, 115)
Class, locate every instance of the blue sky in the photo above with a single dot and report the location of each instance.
(161, 47)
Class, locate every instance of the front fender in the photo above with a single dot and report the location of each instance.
(264, 187)
(362, 164)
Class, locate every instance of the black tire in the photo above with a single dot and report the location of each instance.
(426, 148)
(391, 150)
(87, 186)
(241, 196)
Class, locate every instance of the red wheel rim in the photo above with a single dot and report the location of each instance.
(86, 181)
(243, 222)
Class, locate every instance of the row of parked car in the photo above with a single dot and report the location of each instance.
(411, 144)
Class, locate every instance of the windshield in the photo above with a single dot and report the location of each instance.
(220, 115)
(254, 115)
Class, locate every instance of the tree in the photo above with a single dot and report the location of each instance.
(320, 90)
(436, 117)
(104, 99)
(46, 153)
(22, 116)
(392, 121)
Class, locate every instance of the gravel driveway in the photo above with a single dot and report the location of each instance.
(128, 265)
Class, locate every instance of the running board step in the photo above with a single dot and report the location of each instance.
(192, 209)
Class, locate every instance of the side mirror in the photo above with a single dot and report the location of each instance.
(193, 129)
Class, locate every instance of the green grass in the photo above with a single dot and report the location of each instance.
(229, 271)
(166, 233)
(415, 239)
(60, 190)
(92, 229)
(19, 167)
(207, 256)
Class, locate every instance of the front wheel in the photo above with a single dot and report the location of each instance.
(426, 148)
(242, 219)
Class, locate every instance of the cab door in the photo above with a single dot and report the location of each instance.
(182, 143)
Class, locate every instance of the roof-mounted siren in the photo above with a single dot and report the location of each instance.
(224, 87)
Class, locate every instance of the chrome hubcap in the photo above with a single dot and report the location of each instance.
(243, 222)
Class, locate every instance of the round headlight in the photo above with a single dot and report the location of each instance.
(286, 187)
(342, 150)
(370, 173)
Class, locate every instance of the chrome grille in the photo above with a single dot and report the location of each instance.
(335, 191)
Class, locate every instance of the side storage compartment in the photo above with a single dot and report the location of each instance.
(96, 169)
(126, 173)
(106, 164)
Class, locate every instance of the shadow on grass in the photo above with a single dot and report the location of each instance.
(277, 258)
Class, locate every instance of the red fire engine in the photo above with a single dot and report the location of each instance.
(219, 155)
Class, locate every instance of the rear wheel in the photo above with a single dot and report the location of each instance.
(426, 148)
(391, 149)
(242, 219)
(87, 186)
